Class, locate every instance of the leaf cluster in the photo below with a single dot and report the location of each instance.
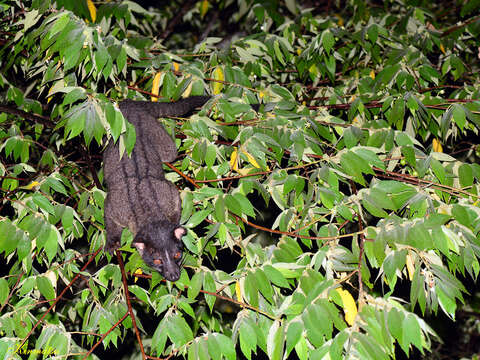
(326, 225)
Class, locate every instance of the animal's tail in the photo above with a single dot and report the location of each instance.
(177, 108)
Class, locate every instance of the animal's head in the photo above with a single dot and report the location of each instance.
(159, 243)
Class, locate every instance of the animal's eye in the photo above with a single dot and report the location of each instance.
(157, 262)
(177, 255)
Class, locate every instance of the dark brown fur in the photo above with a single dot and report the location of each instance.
(139, 197)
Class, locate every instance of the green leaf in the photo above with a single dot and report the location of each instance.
(115, 120)
(121, 59)
(354, 165)
(336, 349)
(159, 338)
(294, 332)
(93, 124)
(458, 115)
(251, 290)
(393, 262)
(8, 237)
(248, 339)
(197, 218)
(67, 218)
(330, 65)
(195, 285)
(395, 321)
(226, 346)
(75, 123)
(245, 204)
(130, 137)
(74, 95)
(278, 52)
(275, 341)
(275, 276)
(3, 291)
(372, 207)
(317, 324)
(429, 73)
(465, 175)
(327, 40)
(214, 347)
(220, 212)
(51, 243)
(209, 285)
(372, 33)
(283, 92)
(233, 205)
(210, 155)
(370, 157)
(43, 203)
(264, 285)
(56, 185)
(46, 288)
(140, 293)
(448, 304)
(178, 330)
(411, 331)
(387, 74)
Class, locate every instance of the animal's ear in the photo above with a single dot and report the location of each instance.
(179, 232)
(139, 245)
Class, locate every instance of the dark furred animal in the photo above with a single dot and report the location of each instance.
(139, 197)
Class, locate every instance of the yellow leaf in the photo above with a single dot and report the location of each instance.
(156, 85)
(299, 51)
(92, 9)
(410, 266)
(218, 85)
(49, 92)
(138, 271)
(204, 8)
(313, 70)
(234, 160)
(437, 145)
(188, 90)
(238, 291)
(349, 306)
(340, 19)
(372, 74)
(31, 185)
(251, 159)
(442, 49)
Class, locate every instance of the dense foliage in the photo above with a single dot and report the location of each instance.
(336, 222)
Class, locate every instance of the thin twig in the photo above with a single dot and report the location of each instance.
(11, 292)
(129, 304)
(57, 299)
(28, 116)
(456, 27)
(105, 335)
(176, 19)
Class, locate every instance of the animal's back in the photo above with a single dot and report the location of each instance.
(136, 201)
(138, 192)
